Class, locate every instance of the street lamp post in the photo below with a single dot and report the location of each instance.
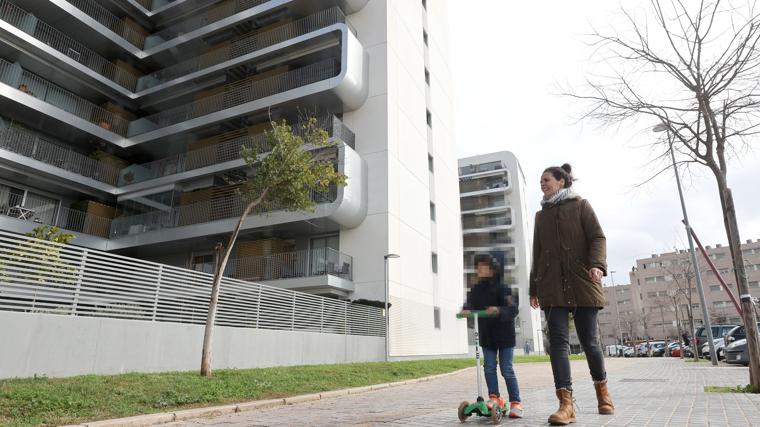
(617, 308)
(713, 358)
(387, 313)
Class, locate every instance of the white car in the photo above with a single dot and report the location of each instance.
(720, 344)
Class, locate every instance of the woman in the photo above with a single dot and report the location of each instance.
(569, 260)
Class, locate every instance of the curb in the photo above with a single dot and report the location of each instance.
(213, 411)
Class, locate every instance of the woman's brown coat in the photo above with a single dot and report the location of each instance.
(567, 242)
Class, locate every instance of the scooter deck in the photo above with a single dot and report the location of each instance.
(481, 409)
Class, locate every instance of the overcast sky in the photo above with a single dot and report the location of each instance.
(509, 60)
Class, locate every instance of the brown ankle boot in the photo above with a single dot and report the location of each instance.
(603, 398)
(566, 413)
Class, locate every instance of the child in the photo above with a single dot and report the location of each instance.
(497, 334)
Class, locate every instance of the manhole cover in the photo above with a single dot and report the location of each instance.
(642, 380)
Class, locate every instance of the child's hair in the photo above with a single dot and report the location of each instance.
(485, 258)
(562, 172)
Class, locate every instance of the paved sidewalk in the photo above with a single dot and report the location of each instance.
(647, 392)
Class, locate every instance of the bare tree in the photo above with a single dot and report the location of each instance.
(683, 289)
(704, 59)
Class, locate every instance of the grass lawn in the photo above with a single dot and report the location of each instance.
(738, 389)
(56, 401)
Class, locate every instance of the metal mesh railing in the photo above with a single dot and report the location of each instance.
(287, 265)
(241, 92)
(231, 205)
(39, 147)
(246, 44)
(216, 13)
(14, 206)
(222, 152)
(38, 276)
(34, 85)
(110, 21)
(59, 41)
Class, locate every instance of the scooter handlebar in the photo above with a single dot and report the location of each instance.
(481, 313)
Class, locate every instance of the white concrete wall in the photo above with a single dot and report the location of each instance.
(392, 136)
(58, 346)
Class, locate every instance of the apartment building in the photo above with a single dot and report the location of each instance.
(657, 298)
(495, 221)
(123, 120)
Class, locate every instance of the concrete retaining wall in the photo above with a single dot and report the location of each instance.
(58, 346)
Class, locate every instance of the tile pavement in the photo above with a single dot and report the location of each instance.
(647, 392)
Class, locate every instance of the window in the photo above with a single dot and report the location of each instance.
(434, 261)
(715, 288)
(427, 76)
(721, 303)
(437, 317)
(204, 263)
(431, 168)
(429, 118)
(754, 284)
(425, 37)
(432, 211)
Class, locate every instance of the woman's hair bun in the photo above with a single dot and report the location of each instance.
(567, 168)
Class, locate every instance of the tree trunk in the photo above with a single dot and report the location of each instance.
(748, 309)
(219, 267)
(678, 328)
(211, 317)
(694, 349)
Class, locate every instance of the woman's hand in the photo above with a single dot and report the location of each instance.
(595, 274)
(534, 302)
(492, 310)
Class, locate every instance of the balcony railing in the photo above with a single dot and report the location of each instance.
(110, 21)
(287, 265)
(484, 167)
(481, 184)
(481, 241)
(69, 219)
(34, 85)
(230, 206)
(216, 13)
(475, 203)
(244, 45)
(59, 41)
(238, 93)
(39, 147)
(220, 153)
(481, 221)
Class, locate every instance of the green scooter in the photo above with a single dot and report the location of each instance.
(479, 407)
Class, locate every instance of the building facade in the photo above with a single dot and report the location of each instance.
(663, 291)
(495, 221)
(123, 122)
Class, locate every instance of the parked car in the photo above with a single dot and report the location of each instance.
(688, 352)
(737, 353)
(628, 352)
(657, 348)
(642, 350)
(719, 345)
(676, 351)
(718, 331)
(737, 333)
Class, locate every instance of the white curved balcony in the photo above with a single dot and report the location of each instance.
(344, 206)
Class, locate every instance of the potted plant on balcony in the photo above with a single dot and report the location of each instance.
(284, 179)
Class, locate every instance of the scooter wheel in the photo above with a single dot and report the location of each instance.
(460, 412)
(496, 415)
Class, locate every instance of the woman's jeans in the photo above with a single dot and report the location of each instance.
(559, 343)
(505, 363)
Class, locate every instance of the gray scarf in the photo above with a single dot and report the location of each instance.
(562, 194)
